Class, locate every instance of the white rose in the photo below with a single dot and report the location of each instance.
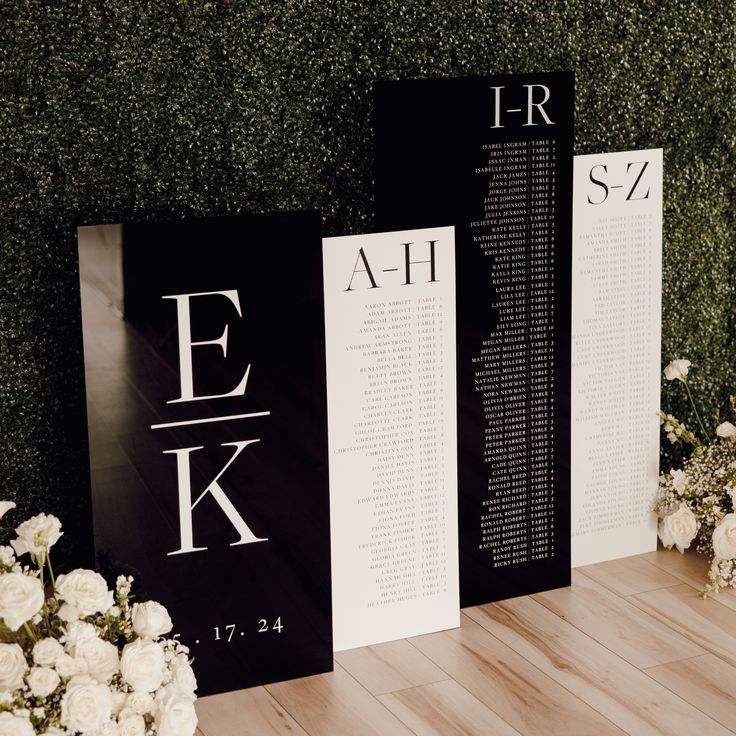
(7, 556)
(69, 613)
(101, 657)
(78, 632)
(143, 665)
(68, 666)
(133, 725)
(109, 729)
(151, 619)
(21, 598)
(139, 703)
(677, 369)
(118, 701)
(86, 705)
(125, 713)
(724, 538)
(86, 590)
(726, 430)
(678, 528)
(53, 731)
(37, 535)
(46, 652)
(12, 667)
(183, 680)
(175, 716)
(12, 725)
(43, 681)
(5, 506)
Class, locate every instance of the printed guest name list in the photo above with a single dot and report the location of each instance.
(493, 156)
(390, 324)
(617, 298)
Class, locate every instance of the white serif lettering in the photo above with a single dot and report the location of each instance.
(186, 373)
(185, 499)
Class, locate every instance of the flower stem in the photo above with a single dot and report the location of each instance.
(29, 631)
(51, 569)
(697, 416)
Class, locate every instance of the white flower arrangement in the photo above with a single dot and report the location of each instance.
(78, 658)
(697, 503)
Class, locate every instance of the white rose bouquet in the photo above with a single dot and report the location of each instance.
(78, 658)
(697, 503)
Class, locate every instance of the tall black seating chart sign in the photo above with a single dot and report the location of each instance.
(205, 376)
(493, 156)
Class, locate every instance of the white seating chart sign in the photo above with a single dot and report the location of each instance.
(390, 325)
(616, 353)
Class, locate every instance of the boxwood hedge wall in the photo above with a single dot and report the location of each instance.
(117, 109)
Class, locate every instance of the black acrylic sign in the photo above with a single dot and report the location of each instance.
(205, 377)
(493, 156)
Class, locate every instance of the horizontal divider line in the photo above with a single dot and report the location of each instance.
(211, 419)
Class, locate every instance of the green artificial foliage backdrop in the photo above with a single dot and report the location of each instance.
(116, 109)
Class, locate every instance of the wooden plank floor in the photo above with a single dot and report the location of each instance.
(629, 648)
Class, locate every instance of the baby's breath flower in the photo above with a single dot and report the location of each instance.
(677, 430)
(706, 483)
